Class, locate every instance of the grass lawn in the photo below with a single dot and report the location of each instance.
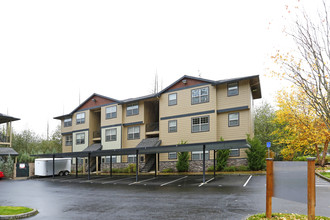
(281, 216)
(11, 210)
(326, 174)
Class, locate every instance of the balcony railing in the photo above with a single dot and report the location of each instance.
(152, 127)
(4, 138)
(96, 134)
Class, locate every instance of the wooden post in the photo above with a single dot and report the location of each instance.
(97, 165)
(311, 188)
(269, 187)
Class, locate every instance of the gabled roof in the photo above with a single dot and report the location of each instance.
(6, 118)
(89, 99)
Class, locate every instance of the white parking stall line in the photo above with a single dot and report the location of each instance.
(118, 180)
(206, 182)
(247, 181)
(173, 181)
(142, 181)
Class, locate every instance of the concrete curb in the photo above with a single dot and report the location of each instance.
(19, 216)
(323, 177)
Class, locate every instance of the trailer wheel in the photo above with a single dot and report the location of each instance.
(66, 173)
(60, 173)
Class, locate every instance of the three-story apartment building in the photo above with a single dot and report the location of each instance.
(191, 109)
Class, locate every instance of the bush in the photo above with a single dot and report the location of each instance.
(168, 170)
(222, 157)
(25, 158)
(7, 166)
(256, 154)
(183, 162)
(229, 169)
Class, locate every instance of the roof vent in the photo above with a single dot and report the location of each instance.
(184, 81)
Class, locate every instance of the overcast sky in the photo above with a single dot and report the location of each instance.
(52, 51)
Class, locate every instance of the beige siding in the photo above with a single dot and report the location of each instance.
(132, 143)
(111, 121)
(65, 149)
(79, 147)
(107, 145)
(65, 129)
(237, 132)
(242, 99)
(76, 127)
(133, 118)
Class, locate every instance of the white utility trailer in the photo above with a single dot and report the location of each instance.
(44, 166)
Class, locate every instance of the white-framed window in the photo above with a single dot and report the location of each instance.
(133, 133)
(233, 119)
(200, 95)
(131, 158)
(111, 112)
(172, 99)
(198, 155)
(234, 153)
(232, 89)
(132, 109)
(114, 159)
(80, 138)
(111, 134)
(80, 118)
(172, 155)
(68, 140)
(172, 126)
(200, 124)
(67, 122)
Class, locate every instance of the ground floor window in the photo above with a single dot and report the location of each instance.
(234, 153)
(131, 158)
(198, 155)
(114, 159)
(172, 155)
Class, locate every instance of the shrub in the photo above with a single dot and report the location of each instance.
(168, 170)
(131, 168)
(183, 160)
(210, 169)
(222, 157)
(7, 166)
(229, 169)
(256, 154)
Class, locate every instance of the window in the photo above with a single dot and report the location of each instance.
(200, 95)
(233, 119)
(234, 153)
(67, 122)
(172, 126)
(68, 140)
(172, 155)
(133, 133)
(132, 109)
(198, 155)
(111, 112)
(114, 159)
(131, 158)
(80, 118)
(80, 138)
(111, 134)
(232, 89)
(200, 124)
(172, 99)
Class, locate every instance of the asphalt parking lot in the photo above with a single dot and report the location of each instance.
(163, 197)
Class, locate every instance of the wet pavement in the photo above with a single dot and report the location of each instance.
(163, 197)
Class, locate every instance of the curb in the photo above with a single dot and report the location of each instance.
(23, 215)
(323, 177)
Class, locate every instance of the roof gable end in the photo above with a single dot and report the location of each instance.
(95, 100)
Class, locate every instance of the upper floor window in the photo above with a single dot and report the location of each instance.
(111, 112)
(172, 126)
(80, 118)
(68, 140)
(232, 89)
(80, 138)
(200, 124)
(172, 99)
(233, 119)
(200, 95)
(198, 155)
(132, 109)
(67, 122)
(111, 134)
(133, 133)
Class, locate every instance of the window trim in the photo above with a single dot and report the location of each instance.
(229, 95)
(80, 113)
(205, 116)
(200, 101)
(130, 105)
(66, 141)
(238, 152)
(200, 153)
(176, 155)
(131, 156)
(237, 119)
(105, 134)
(134, 134)
(176, 126)
(81, 139)
(176, 99)
(111, 113)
